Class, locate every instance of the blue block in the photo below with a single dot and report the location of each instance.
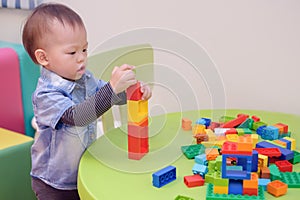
(286, 154)
(270, 133)
(200, 169)
(260, 129)
(254, 163)
(164, 176)
(288, 143)
(201, 159)
(204, 121)
(263, 182)
(242, 160)
(235, 186)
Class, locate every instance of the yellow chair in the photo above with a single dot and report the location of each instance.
(101, 65)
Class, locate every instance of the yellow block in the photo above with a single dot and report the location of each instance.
(213, 143)
(199, 128)
(211, 135)
(232, 137)
(137, 111)
(293, 142)
(262, 160)
(10, 138)
(220, 189)
(254, 139)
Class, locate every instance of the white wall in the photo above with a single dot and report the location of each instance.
(255, 45)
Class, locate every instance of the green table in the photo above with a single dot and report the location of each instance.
(105, 172)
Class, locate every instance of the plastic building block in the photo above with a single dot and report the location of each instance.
(258, 124)
(263, 161)
(219, 181)
(284, 166)
(270, 152)
(286, 154)
(137, 110)
(224, 119)
(193, 150)
(232, 148)
(260, 130)
(263, 182)
(292, 179)
(204, 121)
(244, 144)
(231, 131)
(235, 122)
(255, 118)
(164, 176)
(250, 191)
(211, 196)
(186, 124)
(198, 129)
(277, 188)
(232, 137)
(201, 138)
(293, 141)
(274, 173)
(246, 124)
(193, 181)
(244, 161)
(201, 159)
(283, 128)
(180, 197)
(252, 183)
(220, 189)
(214, 125)
(199, 169)
(296, 158)
(211, 153)
(270, 133)
(287, 142)
(134, 92)
(265, 173)
(254, 138)
(254, 163)
(235, 186)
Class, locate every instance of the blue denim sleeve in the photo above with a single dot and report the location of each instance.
(50, 105)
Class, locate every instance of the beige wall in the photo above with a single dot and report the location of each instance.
(255, 45)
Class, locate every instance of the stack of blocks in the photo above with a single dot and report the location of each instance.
(138, 144)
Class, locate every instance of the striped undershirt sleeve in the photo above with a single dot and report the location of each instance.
(88, 111)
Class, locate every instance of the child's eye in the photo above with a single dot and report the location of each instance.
(72, 53)
(84, 50)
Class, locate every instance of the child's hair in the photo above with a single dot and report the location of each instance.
(38, 24)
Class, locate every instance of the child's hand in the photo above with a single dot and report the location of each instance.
(122, 77)
(146, 90)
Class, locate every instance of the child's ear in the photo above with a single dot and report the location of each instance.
(41, 57)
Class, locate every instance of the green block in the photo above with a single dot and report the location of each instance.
(292, 179)
(296, 158)
(274, 172)
(256, 125)
(240, 131)
(179, 197)
(226, 119)
(246, 124)
(212, 166)
(211, 196)
(219, 163)
(219, 181)
(191, 151)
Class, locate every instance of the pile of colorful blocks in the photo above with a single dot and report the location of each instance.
(231, 159)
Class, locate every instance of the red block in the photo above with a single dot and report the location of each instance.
(270, 152)
(235, 122)
(138, 141)
(284, 166)
(250, 191)
(134, 92)
(193, 180)
(232, 148)
(255, 118)
(231, 131)
(214, 125)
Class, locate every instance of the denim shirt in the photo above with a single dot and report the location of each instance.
(57, 151)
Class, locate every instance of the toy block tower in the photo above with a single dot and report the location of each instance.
(137, 110)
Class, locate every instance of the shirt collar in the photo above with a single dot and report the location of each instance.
(59, 82)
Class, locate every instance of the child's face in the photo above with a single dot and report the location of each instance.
(66, 51)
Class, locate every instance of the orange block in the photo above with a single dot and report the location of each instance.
(264, 172)
(277, 188)
(211, 153)
(244, 144)
(252, 183)
(186, 124)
